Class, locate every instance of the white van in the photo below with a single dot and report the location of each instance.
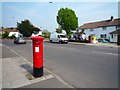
(58, 37)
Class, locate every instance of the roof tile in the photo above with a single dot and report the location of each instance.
(101, 24)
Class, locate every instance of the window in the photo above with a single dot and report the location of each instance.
(83, 30)
(112, 36)
(103, 36)
(62, 36)
(58, 36)
(117, 27)
(104, 28)
(92, 34)
(91, 29)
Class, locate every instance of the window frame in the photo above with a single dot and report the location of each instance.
(103, 35)
(91, 29)
(104, 28)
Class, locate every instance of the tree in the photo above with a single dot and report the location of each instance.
(2, 27)
(67, 19)
(46, 34)
(59, 30)
(36, 30)
(5, 35)
(25, 28)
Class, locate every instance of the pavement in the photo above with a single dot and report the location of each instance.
(91, 44)
(97, 44)
(17, 73)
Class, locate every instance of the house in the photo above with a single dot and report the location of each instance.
(114, 35)
(64, 32)
(102, 29)
(58, 30)
(1, 32)
(39, 33)
(15, 32)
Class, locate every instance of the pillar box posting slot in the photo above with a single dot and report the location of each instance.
(37, 56)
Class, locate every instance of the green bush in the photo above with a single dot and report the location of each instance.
(0, 35)
(5, 35)
(69, 34)
(46, 34)
(12, 37)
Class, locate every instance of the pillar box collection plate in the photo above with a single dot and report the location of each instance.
(37, 56)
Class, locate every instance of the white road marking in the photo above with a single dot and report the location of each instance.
(42, 78)
(105, 53)
(61, 80)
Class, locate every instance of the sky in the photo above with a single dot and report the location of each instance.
(43, 14)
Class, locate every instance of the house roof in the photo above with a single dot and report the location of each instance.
(114, 22)
(14, 30)
(115, 32)
(9, 30)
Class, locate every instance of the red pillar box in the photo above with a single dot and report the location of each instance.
(37, 56)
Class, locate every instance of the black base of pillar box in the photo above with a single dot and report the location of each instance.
(37, 72)
(118, 43)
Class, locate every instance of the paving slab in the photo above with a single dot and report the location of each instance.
(50, 83)
(7, 85)
(12, 74)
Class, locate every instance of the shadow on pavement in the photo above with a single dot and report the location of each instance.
(27, 67)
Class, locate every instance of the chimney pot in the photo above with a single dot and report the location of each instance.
(111, 18)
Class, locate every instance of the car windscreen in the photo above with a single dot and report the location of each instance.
(17, 38)
(62, 36)
(21, 38)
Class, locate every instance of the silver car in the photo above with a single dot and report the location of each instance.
(19, 40)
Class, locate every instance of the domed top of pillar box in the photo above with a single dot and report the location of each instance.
(37, 38)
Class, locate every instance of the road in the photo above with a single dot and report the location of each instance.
(80, 66)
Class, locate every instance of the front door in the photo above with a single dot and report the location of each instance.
(118, 39)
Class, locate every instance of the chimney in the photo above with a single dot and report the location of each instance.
(111, 19)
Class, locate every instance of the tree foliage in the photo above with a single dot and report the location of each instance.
(46, 34)
(5, 35)
(67, 19)
(25, 28)
(36, 30)
(59, 30)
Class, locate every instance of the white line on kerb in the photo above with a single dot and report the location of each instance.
(105, 53)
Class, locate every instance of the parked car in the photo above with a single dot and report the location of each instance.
(103, 40)
(58, 37)
(19, 40)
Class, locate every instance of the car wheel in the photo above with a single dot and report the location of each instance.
(60, 42)
(66, 42)
(50, 41)
(14, 42)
